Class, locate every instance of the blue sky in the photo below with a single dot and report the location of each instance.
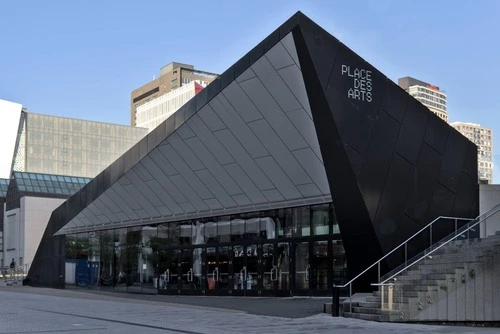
(82, 58)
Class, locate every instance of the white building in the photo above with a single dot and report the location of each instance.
(11, 115)
(483, 138)
(427, 94)
(150, 114)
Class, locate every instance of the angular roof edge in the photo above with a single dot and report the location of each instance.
(136, 153)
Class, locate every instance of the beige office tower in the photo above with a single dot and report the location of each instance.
(172, 76)
(429, 95)
(150, 114)
(483, 138)
(67, 146)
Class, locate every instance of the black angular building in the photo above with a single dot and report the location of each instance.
(300, 165)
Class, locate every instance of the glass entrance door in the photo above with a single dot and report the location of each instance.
(312, 273)
(302, 268)
(217, 261)
(245, 270)
(212, 274)
(191, 269)
(168, 267)
(319, 274)
(276, 269)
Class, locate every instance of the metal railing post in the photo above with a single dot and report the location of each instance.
(430, 241)
(350, 298)
(378, 272)
(468, 245)
(406, 254)
(381, 287)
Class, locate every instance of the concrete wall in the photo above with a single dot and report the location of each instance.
(489, 196)
(36, 215)
(11, 241)
(472, 293)
(25, 226)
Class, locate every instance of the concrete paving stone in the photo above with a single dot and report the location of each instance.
(40, 310)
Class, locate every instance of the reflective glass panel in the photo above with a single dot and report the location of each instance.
(321, 219)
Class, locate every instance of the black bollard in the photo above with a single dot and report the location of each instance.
(335, 301)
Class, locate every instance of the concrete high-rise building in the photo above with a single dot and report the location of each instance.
(429, 95)
(172, 76)
(67, 146)
(483, 138)
(150, 114)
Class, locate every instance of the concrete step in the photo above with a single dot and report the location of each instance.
(419, 288)
(367, 310)
(363, 316)
(410, 294)
(431, 282)
(373, 299)
(458, 255)
(420, 269)
(400, 316)
(419, 275)
(473, 244)
(454, 254)
(424, 272)
(442, 262)
(461, 243)
(369, 304)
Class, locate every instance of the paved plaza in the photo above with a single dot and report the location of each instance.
(40, 310)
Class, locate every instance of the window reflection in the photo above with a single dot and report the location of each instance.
(136, 257)
(301, 222)
(321, 221)
(264, 225)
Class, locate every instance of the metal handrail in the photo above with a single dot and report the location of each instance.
(392, 251)
(474, 222)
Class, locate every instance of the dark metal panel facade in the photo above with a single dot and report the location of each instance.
(378, 186)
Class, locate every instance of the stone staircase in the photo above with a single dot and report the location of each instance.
(458, 282)
(368, 309)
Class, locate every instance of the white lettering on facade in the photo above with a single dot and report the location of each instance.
(361, 89)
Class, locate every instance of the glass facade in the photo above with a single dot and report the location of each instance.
(4, 185)
(277, 252)
(66, 146)
(49, 184)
